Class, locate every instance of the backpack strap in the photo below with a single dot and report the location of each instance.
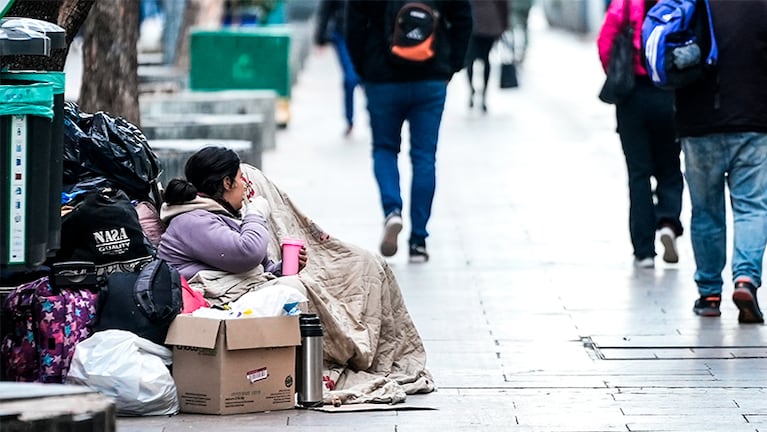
(149, 276)
(713, 54)
(74, 275)
(626, 13)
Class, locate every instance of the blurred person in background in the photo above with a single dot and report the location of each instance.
(398, 91)
(520, 13)
(490, 21)
(646, 129)
(330, 28)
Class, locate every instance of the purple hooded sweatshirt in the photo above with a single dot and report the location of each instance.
(203, 240)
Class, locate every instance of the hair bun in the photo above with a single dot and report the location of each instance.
(179, 191)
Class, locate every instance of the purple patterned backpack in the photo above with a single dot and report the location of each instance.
(48, 321)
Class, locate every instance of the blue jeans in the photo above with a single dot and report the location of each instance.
(351, 80)
(740, 161)
(420, 103)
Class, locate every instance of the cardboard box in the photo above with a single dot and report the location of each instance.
(234, 366)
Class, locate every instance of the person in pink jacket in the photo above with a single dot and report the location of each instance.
(645, 121)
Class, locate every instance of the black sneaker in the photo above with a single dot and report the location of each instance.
(708, 306)
(392, 228)
(744, 297)
(418, 253)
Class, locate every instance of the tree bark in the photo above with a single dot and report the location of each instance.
(110, 79)
(207, 14)
(72, 16)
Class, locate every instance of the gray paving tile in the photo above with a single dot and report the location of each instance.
(464, 361)
(563, 382)
(714, 420)
(665, 427)
(681, 353)
(673, 339)
(595, 421)
(450, 346)
(380, 419)
(671, 411)
(468, 378)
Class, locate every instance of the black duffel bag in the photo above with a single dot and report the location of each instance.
(143, 302)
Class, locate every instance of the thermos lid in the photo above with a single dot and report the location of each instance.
(310, 325)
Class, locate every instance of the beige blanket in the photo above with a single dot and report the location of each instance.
(373, 352)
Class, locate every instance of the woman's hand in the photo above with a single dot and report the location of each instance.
(302, 258)
(257, 205)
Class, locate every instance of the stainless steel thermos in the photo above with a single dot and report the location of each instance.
(309, 361)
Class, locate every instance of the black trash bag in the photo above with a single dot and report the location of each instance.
(73, 173)
(97, 145)
(73, 194)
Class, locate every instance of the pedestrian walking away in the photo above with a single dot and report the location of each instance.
(520, 13)
(645, 119)
(722, 121)
(405, 54)
(330, 28)
(490, 21)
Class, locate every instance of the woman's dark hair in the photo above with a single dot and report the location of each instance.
(179, 191)
(205, 173)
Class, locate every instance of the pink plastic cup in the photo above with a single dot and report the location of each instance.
(290, 249)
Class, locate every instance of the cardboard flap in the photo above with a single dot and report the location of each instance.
(244, 333)
(192, 331)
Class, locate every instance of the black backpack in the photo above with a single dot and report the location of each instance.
(104, 228)
(411, 28)
(143, 302)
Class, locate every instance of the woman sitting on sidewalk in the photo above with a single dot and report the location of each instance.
(372, 350)
(210, 225)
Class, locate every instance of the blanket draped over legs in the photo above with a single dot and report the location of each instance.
(372, 350)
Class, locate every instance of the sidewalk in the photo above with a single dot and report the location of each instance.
(531, 312)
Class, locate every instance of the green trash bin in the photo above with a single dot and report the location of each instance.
(243, 58)
(29, 36)
(26, 114)
(56, 167)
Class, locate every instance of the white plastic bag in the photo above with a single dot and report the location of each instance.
(269, 301)
(131, 370)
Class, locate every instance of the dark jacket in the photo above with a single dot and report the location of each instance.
(734, 99)
(330, 19)
(491, 17)
(368, 42)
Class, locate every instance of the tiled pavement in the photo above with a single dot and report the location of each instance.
(530, 310)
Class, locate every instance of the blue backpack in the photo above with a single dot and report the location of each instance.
(676, 34)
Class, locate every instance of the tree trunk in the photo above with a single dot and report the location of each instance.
(207, 14)
(72, 15)
(110, 79)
